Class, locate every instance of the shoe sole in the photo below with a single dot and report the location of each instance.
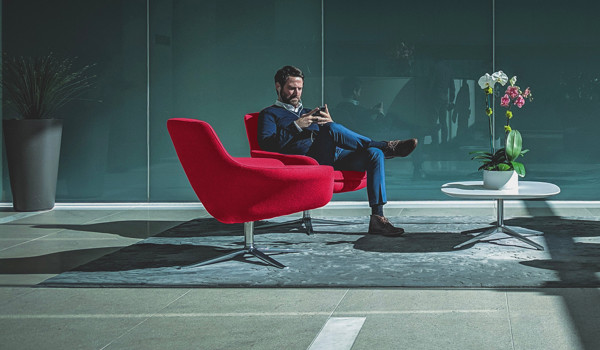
(387, 235)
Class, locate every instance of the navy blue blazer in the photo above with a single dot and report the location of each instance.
(278, 133)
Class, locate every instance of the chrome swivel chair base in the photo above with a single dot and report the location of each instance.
(307, 222)
(249, 248)
(499, 227)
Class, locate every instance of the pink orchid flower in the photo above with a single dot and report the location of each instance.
(512, 91)
(526, 93)
(520, 101)
(504, 101)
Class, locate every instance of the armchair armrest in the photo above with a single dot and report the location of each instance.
(287, 159)
(260, 161)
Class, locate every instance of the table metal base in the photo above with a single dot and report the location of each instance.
(499, 227)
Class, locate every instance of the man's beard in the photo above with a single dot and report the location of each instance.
(288, 100)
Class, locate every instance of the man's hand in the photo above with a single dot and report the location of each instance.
(323, 118)
(307, 119)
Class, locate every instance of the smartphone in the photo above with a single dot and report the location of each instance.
(317, 112)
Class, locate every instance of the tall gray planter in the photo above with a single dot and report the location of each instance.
(32, 152)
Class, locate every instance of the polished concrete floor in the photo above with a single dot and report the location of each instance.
(36, 246)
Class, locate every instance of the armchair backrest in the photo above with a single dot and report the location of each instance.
(251, 121)
(204, 159)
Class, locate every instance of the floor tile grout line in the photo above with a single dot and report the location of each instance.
(31, 240)
(242, 314)
(144, 320)
(338, 303)
(103, 217)
(510, 328)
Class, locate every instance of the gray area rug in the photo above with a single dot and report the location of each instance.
(345, 256)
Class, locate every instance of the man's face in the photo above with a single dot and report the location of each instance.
(291, 92)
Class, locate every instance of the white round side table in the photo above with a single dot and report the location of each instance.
(526, 190)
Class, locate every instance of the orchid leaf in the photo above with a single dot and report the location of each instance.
(504, 167)
(519, 168)
(513, 145)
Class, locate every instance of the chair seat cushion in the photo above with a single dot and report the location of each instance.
(346, 180)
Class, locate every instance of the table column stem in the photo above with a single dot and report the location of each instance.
(500, 211)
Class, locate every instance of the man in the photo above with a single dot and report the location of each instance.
(287, 127)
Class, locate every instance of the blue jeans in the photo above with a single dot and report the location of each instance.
(346, 150)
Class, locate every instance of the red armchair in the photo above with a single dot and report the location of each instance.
(343, 180)
(244, 190)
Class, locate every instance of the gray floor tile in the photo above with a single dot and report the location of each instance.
(9, 215)
(158, 215)
(7, 294)
(239, 332)
(555, 318)
(16, 230)
(51, 257)
(96, 302)
(8, 243)
(594, 211)
(133, 232)
(363, 302)
(259, 300)
(6, 212)
(545, 330)
(23, 279)
(67, 216)
(139, 224)
(40, 248)
(429, 331)
(60, 333)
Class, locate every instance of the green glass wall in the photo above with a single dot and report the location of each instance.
(554, 48)
(215, 60)
(103, 153)
(388, 69)
(402, 69)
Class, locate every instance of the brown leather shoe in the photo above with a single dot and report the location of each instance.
(400, 148)
(380, 225)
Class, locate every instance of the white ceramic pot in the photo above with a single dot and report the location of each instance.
(500, 180)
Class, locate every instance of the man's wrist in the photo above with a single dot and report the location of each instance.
(297, 126)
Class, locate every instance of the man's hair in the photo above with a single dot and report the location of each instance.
(284, 73)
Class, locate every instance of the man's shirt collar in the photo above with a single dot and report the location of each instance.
(289, 107)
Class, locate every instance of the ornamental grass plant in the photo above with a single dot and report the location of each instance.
(35, 88)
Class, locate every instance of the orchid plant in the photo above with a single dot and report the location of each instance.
(505, 158)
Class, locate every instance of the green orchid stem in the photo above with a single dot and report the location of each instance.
(490, 123)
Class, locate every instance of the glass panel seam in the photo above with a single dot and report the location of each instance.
(322, 52)
(493, 67)
(147, 100)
